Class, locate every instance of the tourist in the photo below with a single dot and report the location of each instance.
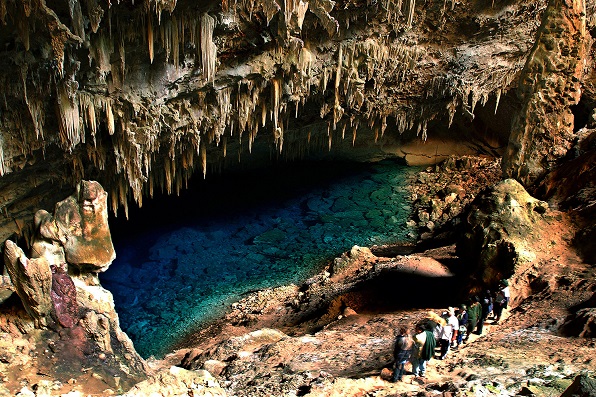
(401, 353)
(423, 351)
(462, 318)
(487, 308)
(474, 313)
(501, 300)
(454, 322)
(447, 330)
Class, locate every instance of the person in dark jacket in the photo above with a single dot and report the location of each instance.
(474, 313)
(462, 317)
(401, 353)
(487, 308)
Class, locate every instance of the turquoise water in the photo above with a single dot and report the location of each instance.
(181, 261)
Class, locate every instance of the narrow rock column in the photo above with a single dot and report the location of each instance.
(542, 131)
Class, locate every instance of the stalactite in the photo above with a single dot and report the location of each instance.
(3, 12)
(101, 51)
(23, 29)
(150, 40)
(68, 116)
(165, 35)
(203, 150)
(87, 109)
(270, 8)
(208, 48)
(76, 16)
(175, 42)
(109, 116)
(94, 14)
(409, 11)
(2, 168)
(337, 109)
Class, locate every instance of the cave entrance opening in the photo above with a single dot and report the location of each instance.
(181, 261)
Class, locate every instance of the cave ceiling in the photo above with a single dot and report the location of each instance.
(141, 95)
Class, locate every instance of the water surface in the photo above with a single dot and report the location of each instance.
(181, 261)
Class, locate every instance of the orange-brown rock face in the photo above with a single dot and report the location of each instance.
(543, 130)
(83, 221)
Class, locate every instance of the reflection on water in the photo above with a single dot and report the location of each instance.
(181, 261)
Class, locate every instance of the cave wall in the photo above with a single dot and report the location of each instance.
(143, 95)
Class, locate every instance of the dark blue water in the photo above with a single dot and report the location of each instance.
(181, 261)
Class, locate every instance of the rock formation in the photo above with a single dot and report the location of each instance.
(497, 231)
(543, 130)
(58, 287)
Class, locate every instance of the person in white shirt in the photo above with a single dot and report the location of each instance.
(448, 331)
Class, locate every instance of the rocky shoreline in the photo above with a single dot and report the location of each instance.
(333, 334)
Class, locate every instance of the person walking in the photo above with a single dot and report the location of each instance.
(445, 335)
(462, 318)
(401, 353)
(487, 308)
(501, 300)
(424, 349)
(454, 323)
(474, 313)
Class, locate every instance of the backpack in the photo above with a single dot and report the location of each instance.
(428, 350)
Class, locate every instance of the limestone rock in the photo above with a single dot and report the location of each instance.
(64, 298)
(582, 321)
(75, 317)
(178, 382)
(496, 228)
(356, 255)
(83, 218)
(32, 279)
(543, 131)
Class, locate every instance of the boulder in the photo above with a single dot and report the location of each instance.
(582, 320)
(82, 221)
(499, 225)
(582, 386)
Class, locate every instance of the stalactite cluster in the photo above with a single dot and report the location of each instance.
(146, 107)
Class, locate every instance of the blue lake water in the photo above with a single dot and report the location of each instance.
(181, 261)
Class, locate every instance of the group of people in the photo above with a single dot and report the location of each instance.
(447, 331)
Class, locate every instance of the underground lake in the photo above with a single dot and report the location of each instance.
(182, 260)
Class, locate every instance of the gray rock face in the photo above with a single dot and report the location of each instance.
(582, 386)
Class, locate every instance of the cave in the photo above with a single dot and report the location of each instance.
(149, 150)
